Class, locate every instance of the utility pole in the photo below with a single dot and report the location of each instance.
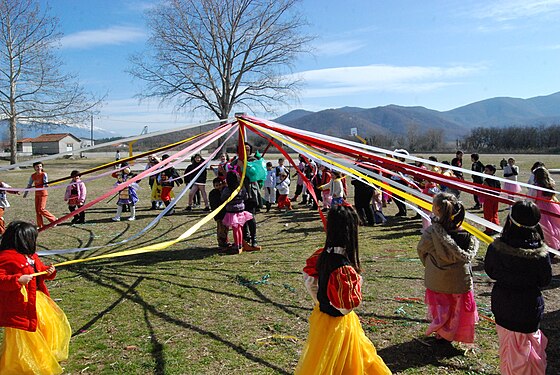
(91, 131)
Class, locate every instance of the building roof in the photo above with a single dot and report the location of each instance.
(25, 140)
(50, 138)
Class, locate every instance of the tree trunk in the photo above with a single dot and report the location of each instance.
(13, 140)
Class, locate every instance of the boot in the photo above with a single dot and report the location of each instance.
(118, 215)
(268, 205)
(154, 205)
(247, 247)
(132, 213)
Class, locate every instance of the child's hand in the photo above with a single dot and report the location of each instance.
(50, 270)
(25, 279)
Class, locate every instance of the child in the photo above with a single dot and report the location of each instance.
(215, 198)
(283, 187)
(326, 177)
(490, 205)
(363, 194)
(155, 188)
(511, 171)
(4, 204)
(269, 186)
(199, 184)
(520, 264)
(378, 206)
(39, 179)
(550, 225)
(76, 196)
(301, 187)
(446, 251)
(477, 166)
(337, 343)
(336, 187)
(36, 331)
(127, 196)
(235, 216)
(167, 179)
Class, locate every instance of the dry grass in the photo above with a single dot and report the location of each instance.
(191, 310)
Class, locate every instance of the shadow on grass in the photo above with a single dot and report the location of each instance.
(415, 354)
(157, 349)
(551, 328)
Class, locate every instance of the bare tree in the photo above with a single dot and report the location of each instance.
(215, 54)
(32, 88)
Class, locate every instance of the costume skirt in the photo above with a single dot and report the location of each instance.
(37, 352)
(233, 219)
(522, 353)
(510, 186)
(338, 345)
(550, 224)
(453, 316)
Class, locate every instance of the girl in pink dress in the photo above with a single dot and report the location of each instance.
(550, 224)
(446, 251)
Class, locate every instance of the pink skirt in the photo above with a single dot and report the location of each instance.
(510, 186)
(453, 316)
(522, 353)
(233, 219)
(550, 224)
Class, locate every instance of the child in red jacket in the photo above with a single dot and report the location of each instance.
(37, 333)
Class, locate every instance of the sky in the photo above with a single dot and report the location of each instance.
(439, 54)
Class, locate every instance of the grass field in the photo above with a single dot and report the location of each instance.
(192, 310)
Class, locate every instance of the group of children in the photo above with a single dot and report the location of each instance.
(518, 260)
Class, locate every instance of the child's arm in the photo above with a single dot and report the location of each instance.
(344, 289)
(82, 192)
(29, 185)
(50, 270)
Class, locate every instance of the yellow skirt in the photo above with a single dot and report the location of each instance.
(38, 352)
(338, 345)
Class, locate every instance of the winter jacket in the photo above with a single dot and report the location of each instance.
(237, 204)
(76, 190)
(215, 199)
(16, 310)
(517, 302)
(447, 264)
(188, 177)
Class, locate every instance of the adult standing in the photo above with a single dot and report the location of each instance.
(251, 204)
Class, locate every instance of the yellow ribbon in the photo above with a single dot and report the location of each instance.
(428, 206)
(23, 291)
(164, 245)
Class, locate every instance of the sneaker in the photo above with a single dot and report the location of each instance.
(206, 208)
(188, 208)
(116, 218)
(132, 218)
(171, 212)
(476, 207)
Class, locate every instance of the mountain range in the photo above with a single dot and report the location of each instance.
(455, 123)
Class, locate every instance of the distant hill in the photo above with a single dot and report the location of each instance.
(393, 119)
(33, 131)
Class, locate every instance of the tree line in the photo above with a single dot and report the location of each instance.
(514, 139)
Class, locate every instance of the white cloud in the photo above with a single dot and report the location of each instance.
(338, 48)
(115, 35)
(381, 78)
(507, 10)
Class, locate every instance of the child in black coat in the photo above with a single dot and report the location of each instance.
(520, 264)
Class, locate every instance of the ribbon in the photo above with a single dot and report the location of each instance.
(164, 245)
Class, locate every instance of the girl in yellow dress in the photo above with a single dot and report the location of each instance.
(36, 331)
(337, 343)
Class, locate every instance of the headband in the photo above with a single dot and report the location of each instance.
(521, 225)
